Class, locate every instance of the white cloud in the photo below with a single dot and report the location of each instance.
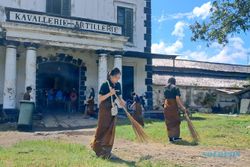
(231, 53)
(202, 12)
(164, 48)
(179, 29)
(194, 55)
(165, 17)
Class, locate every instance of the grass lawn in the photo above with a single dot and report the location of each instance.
(214, 130)
(59, 154)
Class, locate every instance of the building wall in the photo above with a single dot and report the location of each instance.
(139, 73)
(203, 65)
(195, 97)
(196, 84)
(90, 60)
(77, 44)
(20, 86)
(200, 81)
(35, 5)
(103, 10)
(2, 66)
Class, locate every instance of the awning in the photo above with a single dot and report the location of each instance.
(243, 91)
(229, 91)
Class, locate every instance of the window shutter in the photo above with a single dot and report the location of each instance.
(53, 6)
(66, 7)
(49, 6)
(129, 24)
(121, 18)
(120, 15)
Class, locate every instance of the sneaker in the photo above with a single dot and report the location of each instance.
(113, 157)
(175, 139)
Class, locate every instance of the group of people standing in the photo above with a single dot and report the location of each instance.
(110, 96)
(58, 97)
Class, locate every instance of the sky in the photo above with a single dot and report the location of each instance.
(171, 33)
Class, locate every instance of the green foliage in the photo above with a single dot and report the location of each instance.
(209, 100)
(248, 79)
(228, 17)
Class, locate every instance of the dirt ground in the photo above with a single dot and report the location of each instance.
(134, 152)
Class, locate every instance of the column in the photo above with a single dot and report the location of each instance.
(102, 69)
(118, 64)
(191, 97)
(9, 95)
(30, 69)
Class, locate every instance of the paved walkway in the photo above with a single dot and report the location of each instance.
(62, 121)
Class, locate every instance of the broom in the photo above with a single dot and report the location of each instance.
(139, 132)
(194, 134)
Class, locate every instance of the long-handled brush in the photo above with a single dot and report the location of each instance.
(194, 134)
(139, 132)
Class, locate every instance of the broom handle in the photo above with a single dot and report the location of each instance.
(117, 98)
(120, 102)
(187, 118)
(124, 108)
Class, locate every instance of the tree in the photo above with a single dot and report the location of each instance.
(228, 17)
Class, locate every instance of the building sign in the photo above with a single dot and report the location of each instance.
(31, 17)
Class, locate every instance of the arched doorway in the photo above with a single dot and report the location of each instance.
(57, 77)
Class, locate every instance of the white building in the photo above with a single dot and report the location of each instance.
(72, 44)
(204, 85)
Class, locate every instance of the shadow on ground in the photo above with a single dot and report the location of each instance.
(118, 161)
(186, 143)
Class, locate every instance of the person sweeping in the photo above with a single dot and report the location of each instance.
(137, 114)
(105, 132)
(171, 103)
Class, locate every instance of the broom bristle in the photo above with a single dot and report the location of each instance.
(194, 134)
(139, 132)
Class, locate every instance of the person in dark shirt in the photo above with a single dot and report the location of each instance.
(137, 114)
(105, 132)
(27, 94)
(142, 101)
(73, 100)
(91, 103)
(67, 102)
(171, 104)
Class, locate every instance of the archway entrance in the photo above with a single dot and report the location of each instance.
(57, 80)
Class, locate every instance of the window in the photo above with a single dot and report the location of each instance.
(59, 7)
(125, 18)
